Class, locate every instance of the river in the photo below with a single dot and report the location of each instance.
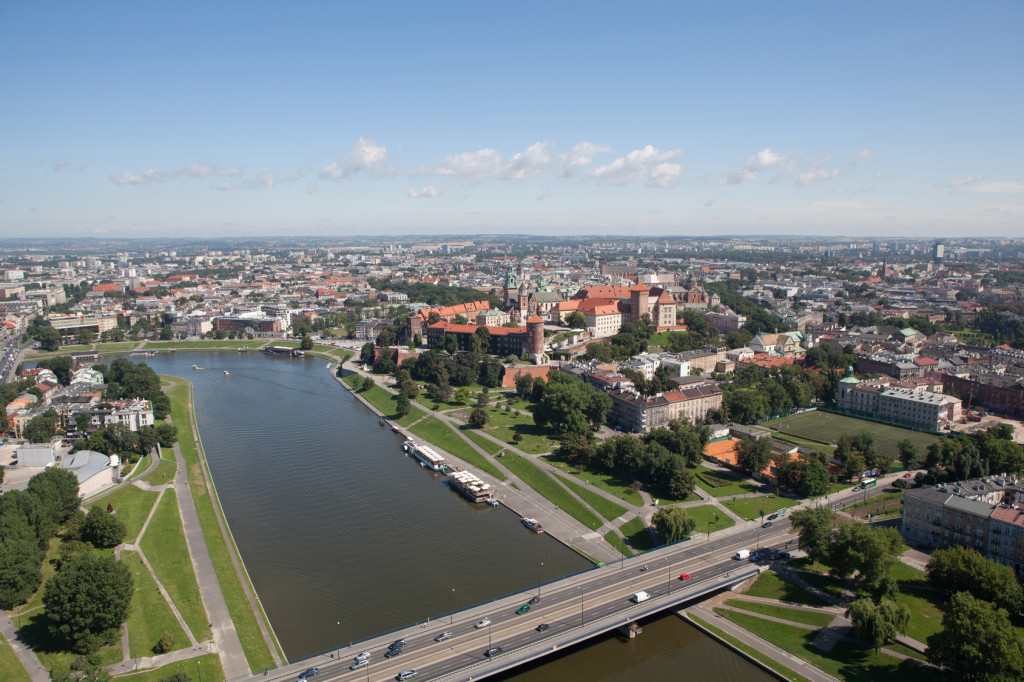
(345, 537)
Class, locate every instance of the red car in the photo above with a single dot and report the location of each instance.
(906, 475)
(684, 576)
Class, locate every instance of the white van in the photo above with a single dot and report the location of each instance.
(742, 554)
(641, 596)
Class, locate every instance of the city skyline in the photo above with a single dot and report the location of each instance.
(328, 120)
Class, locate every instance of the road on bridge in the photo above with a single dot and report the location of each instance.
(574, 608)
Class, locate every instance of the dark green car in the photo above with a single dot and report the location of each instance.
(525, 608)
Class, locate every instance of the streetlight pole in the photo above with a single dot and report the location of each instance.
(581, 604)
(453, 605)
(338, 639)
(489, 643)
(539, 569)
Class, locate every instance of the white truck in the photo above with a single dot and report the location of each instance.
(742, 554)
(641, 596)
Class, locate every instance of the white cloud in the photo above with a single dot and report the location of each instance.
(202, 169)
(862, 156)
(975, 182)
(579, 156)
(427, 192)
(367, 157)
(646, 163)
(131, 178)
(817, 173)
(59, 165)
(755, 165)
(491, 164)
(965, 182)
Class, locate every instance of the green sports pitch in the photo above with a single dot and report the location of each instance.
(828, 427)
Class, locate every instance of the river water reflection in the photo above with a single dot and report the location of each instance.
(345, 537)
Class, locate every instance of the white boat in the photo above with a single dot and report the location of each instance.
(195, 367)
(225, 371)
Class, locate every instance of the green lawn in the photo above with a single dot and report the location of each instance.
(908, 575)
(826, 583)
(609, 482)
(164, 545)
(487, 444)
(385, 403)
(818, 619)
(886, 504)
(808, 564)
(846, 661)
(10, 667)
(150, 616)
(733, 485)
(750, 508)
(706, 512)
(750, 651)
(164, 471)
(132, 506)
(769, 585)
(637, 534)
(505, 425)
(547, 486)
(437, 432)
(803, 442)
(140, 465)
(824, 426)
(243, 618)
(116, 346)
(602, 505)
(206, 667)
(925, 612)
(615, 540)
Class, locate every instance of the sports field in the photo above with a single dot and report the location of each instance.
(828, 427)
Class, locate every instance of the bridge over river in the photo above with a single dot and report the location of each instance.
(575, 608)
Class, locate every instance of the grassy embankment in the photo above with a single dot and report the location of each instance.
(553, 491)
(11, 669)
(602, 505)
(150, 616)
(257, 653)
(164, 546)
(610, 482)
(386, 404)
(750, 651)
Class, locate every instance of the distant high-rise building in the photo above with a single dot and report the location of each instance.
(938, 251)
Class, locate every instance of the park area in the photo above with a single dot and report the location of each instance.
(825, 426)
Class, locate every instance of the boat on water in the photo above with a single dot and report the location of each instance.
(243, 349)
(426, 455)
(532, 524)
(195, 366)
(283, 350)
(493, 503)
(225, 371)
(395, 429)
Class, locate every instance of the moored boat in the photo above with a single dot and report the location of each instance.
(532, 524)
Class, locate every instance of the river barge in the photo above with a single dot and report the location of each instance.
(532, 524)
(283, 350)
(426, 455)
(470, 486)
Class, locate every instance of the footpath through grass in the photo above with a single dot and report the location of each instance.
(749, 650)
(602, 505)
(817, 619)
(132, 506)
(164, 471)
(150, 616)
(164, 546)
(206, 667)
(846, 661)
(637, 534)
(10, 667)
(771, 586)
(386, 404)
(722, 483)
(257, 653)
(750, 508)
(709, 512)
(433, 430)
(537, 479)
(611, 483)
(487, 444)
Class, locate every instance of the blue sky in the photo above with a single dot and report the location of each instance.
(675, 118)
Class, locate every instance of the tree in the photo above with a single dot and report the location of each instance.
(402, 405)
(85, 336)
(907, 453)
(673, 523)
(61, 367)
(754, 455)
(87, 601)
(41, 428)
(977, 641)
(306, 343)
(570, 405)
(21, 554)
(367, 353)
(164, 644)
(49, 338)
(576, 320)
(524, 385)
(103, 529)
(57, 491)
(959, 569)
(815, 529)
(681, 484)
(478, 418)
(871, 551)
(82, 421)
(357, 381)
(876, 624)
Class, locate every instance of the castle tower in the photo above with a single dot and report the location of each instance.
(511, 282)
(639, 296)
(535, 339)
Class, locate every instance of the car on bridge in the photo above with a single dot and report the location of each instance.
(443, 636)
(542, 627)
(361, 663)
(309, 672)
(482, 624)
(535, 600)
(406, 675)
(393, 652)
(684, 576)
(525, 608)
(493, 651)
(363, 656)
